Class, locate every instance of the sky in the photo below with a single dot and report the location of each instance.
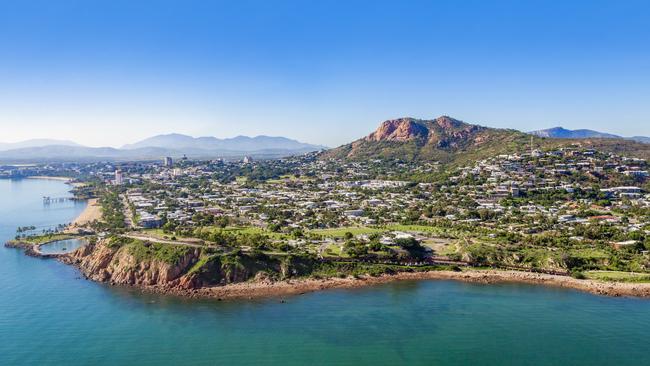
(111, 72)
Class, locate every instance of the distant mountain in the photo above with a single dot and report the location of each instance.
(239, 143)
(35, 143)
(174, 145)
(645, 140)
(451, 141)
(563, 133)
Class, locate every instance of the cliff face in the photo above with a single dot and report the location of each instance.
(404, 129)
(104, 263)
(189, 268)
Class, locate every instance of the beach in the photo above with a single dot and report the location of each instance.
(91, 213)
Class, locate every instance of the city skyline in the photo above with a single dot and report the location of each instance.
(327, 73)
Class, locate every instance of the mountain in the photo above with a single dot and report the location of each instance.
(644, 139)
(451, 141)
(239, 143)
(563, 133)
(35, 143)
(156, 147)
(442, 139)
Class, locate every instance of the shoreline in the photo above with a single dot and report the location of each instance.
(92, 212)
(45, 177)
(280, 289)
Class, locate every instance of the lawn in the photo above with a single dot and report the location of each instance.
(249, 230)
(414, 228)
(231, 229)
(339, 232)
(617, 276)
(46, 238)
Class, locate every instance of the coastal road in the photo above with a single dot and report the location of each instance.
(153, 239)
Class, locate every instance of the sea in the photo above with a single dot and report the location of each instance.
(50, 315)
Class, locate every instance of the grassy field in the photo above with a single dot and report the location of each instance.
(253, 230)
(360, 230)
(291, 178)
(230, 229)
(415, 228)
(617, 276)
(334, 250)
(41, 239)
(339, 232)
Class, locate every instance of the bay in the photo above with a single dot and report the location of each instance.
(49, 315)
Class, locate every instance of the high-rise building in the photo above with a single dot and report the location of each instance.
(119, 177)
(168, 161)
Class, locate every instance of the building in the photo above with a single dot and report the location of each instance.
(168, 161)
(119, 177)
(248, 159)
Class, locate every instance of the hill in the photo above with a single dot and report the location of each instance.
(4, 146)
(154, 148)
(451, 141)
(239, 143)
(563, 133)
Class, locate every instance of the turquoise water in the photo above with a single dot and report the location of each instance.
(49, 316)
(61, 246)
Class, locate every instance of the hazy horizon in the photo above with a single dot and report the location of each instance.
(327, 73)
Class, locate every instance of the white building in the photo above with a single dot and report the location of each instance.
(119, 177)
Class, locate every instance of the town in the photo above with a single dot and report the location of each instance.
(561, 210)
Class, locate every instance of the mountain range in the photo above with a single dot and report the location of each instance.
(239, 143)
(444, 139)
(451, 141)
(155, 147)
(35, 143)
(563, 133)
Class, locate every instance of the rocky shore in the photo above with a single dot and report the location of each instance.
(102, 263)
(263, 289)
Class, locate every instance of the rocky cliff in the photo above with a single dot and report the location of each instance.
(120, 265)
(142, 264)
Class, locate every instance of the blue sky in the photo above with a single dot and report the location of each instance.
(112, 72)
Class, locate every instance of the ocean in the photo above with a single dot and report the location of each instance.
(49, 315)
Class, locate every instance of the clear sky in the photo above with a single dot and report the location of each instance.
(110, 72)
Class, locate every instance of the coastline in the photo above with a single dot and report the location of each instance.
(92, 212)
(44, 177)
(281, 289)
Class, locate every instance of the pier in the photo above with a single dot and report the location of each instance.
(48, 200)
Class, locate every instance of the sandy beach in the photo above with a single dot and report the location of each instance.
(250, 290)
(91, 213)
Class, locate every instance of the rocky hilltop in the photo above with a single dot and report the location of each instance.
(444, 132)
(442, 139)
(448, 141)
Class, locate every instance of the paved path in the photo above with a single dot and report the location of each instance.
(165, 241)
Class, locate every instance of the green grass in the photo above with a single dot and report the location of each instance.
(157, 233)
(249, 230)
(200, 263)
(617, 276)
(415, 228)
(42, 239)
(167, 253)
(290, 177)
(339, 232)
(334, 250)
